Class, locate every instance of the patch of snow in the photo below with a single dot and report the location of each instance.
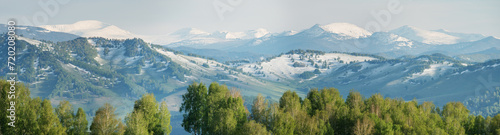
(434, 70)
(30, 41)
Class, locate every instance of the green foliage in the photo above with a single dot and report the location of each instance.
(136, 124)
(213, 111)
(149, 114)
(218, 110)
(33, 116)
(36, 116)
(48, 122)
(325, 112)
(260, 110)
(193, 105)
(224, 110)
(132, 46)
(80, 126)
(64, 112)
(80, 46)
(164, 116)
(253, 128)
(106, 123)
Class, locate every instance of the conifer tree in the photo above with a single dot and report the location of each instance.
(80, 126)
(48, 122)
(136, 124)
(64, 112)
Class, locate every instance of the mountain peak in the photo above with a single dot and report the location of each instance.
(80, 25)
(489, 38)
(346, 29)
(91, 28)
(91, 23)
(257, 33)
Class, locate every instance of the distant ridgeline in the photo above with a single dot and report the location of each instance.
(218, 110)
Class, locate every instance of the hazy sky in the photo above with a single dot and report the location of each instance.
(150, 17)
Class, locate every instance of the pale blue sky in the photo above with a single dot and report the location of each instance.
(165, 16)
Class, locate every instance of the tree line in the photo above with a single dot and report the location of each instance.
(218, 110)
(36, 116)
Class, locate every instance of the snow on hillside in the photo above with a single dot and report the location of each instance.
(30, 41)
(434, 70)
(424, 36)
(195, 65)
(192, 63)
(39, 44)
(389, 38)
(282, 67)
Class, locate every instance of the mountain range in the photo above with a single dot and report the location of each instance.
(254, 44)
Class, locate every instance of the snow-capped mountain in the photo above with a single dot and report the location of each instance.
(464, 37)
(340, 37)
(340, 30)
(435, 37)
(92, 28)
(425, 36)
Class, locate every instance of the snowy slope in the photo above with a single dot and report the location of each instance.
(464, 37)
(281, 67)
(434, 70)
